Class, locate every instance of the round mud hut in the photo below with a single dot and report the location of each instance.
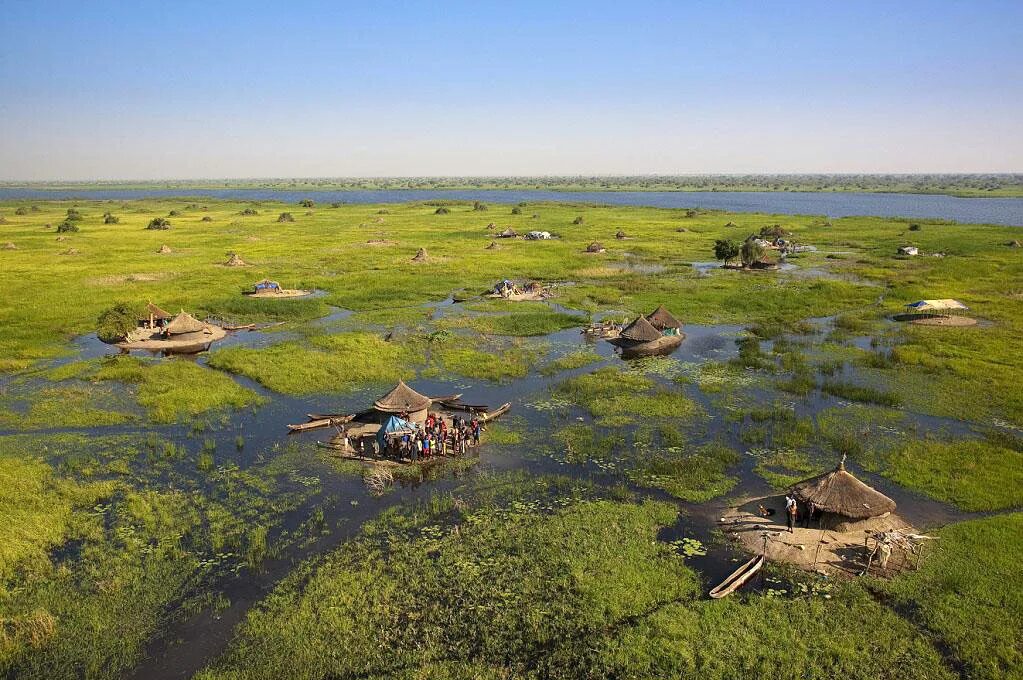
(164, 250)
(421, 256)
(842, 502)
(235, 261)
(596, 248)
(404, 401)
(185, 328)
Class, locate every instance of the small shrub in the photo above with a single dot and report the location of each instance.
(73, 215)
(207, 218)
(285, 217)
(248, 212)
(21, 211)
(306, 203)
(67, 226)
(174, 213)
(578, 220)
(159, 223)
(914, 227)
(516, 210)
(109, 218)
(441, 211)
(691, 213)
(336, 204)
(479, 207)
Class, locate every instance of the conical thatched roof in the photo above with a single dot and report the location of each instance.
(421, 256)
(402, 398)
(595, 248)
(640, 330)
(508, 233)
(164, 249)
(184, 323)
(662, 319)
(157, 312)
(235, 261)
(840, 492)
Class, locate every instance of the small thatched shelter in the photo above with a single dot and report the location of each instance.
(235, 261)
(421, 256)
(640, 330)
(841, 501)
(155, 317)
(663, 320)
(10, 246)
(507, 233)
(620, 235)
(164, 250)
(403, 400)
(596, 248)
(70, 251)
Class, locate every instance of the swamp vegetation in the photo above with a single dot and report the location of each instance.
(159, 523)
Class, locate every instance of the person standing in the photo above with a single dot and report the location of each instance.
(790, 511)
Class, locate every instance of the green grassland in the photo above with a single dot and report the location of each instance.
(125, 500)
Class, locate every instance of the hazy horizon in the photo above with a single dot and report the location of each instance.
(105, 91)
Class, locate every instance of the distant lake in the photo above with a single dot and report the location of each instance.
(1006, 211)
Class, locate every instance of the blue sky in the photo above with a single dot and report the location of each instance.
(191, 89)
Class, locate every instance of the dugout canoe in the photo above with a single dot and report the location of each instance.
(738, 578)
(487, 417)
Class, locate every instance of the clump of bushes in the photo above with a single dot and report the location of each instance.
(110, 218)
(914, 227)
(115, 323)
(516, 210)
(441, 211)
(306, 203)
(479, 207)
(67, 226)
(248, 212)
(158, 223)
(206, 218)
(726, 250)
(21, 211)
(336, 204)
(383, 211)
(578, 220)
(691, 213)
(286, 217)
(73, 215)
(174, 213)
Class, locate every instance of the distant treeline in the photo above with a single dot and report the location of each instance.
(1002, 184)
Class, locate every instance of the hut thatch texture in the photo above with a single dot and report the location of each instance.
(595, 248)
(402, 399)
(10, 246)
(421, 256)
(662, 319)
(156, 312)
(184, 323)
(839, 492)
(507, 233)
(164, 250)
(640, 330)
(235, 261)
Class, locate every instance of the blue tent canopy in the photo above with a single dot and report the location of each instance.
(393, 425)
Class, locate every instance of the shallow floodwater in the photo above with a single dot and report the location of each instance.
(187, 644)
(1007, 211)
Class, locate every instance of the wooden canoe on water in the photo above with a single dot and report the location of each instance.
(487, 417)
(738, 578)
(455, 405)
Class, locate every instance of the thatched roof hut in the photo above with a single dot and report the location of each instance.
(662, 319)
(620, 234)
(157, 313)
(164, 250)
(640, 330)
(595, 248)
(839, 494)
(235, 261)
(421, 256)
(10, 246)
(184, 323)
(507, 233)
(70, 251)
(404, 399)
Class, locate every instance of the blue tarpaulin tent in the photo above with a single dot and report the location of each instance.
(267, 284)
(393, 425)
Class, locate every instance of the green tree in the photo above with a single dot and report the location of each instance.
(158, 223)
(726, 250)
(66, 226)
(751, 251)
(115, 323)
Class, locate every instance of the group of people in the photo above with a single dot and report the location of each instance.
(793, 513)
(436, 438)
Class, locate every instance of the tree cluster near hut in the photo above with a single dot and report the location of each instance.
(159, 223)
(114, 324)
